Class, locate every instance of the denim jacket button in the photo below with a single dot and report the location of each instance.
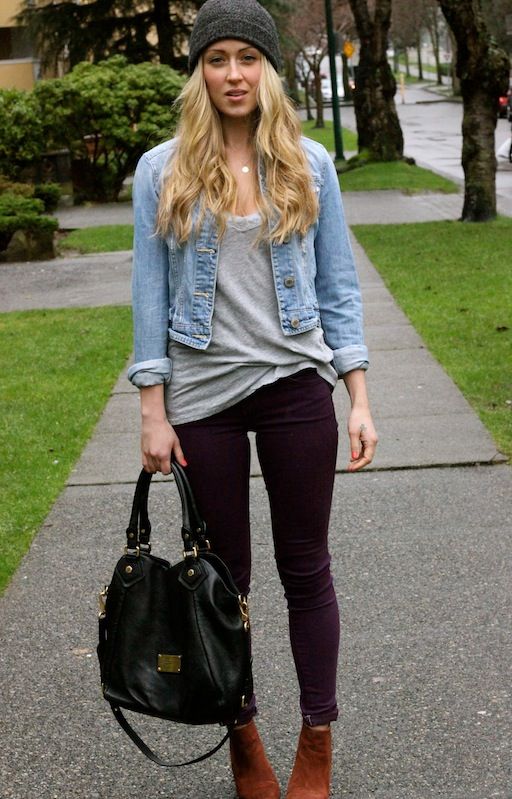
(289, 281)
(295, 323)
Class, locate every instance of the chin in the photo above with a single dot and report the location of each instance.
(238, 113)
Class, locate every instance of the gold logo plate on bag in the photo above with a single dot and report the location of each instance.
(169, 664)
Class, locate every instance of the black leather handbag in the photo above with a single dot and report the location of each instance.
(174, 641)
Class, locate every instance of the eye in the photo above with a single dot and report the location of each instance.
(215, 59)
(249, 58)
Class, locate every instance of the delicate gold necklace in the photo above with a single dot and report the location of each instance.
(245, 168)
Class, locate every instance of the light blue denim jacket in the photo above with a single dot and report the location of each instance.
(173, 285)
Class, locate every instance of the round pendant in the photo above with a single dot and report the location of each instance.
(245, 169)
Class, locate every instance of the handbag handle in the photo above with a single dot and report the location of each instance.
(193, 529)
(144, 748)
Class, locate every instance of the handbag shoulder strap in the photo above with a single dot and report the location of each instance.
(138, 531)
(144, 748)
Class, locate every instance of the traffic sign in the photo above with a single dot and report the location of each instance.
(348, 49)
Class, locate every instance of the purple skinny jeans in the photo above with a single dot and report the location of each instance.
(296, 439)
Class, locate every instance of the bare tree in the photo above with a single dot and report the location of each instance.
(307, 32)
(307, 29)
(483, 69)
(434, 23)
(407, 23)
(378, 127)
(495, 13)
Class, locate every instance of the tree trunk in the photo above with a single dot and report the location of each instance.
(319, 99)
(291, 77)
(478, 157)
(396, 59)
(378, 126)
(434, 36)
(407, 65)
(420, 62)
(165, 32)
(453, 66)
(483, 70)
(308, 96)
(439, 70)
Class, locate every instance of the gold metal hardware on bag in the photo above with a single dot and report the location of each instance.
(132, 551)
(191, 572)
(102, 599)
(244, 612)
(128, 569)
(190, 553)
(169, 664)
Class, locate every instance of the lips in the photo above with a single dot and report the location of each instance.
(236, 94)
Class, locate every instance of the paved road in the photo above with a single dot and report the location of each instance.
(432, 135)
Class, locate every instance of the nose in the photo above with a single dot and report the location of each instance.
(234, 70)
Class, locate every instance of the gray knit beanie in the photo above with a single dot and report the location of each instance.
(246, 20)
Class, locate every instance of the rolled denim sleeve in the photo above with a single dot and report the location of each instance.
(337, 284)
(150, 284)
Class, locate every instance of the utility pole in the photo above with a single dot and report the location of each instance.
(338, 136)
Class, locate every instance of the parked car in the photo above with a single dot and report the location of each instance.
(326, 89)
(503, 105)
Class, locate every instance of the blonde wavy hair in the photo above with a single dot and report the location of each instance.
(198, 170)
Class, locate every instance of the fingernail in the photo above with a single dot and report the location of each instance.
(354, 455)
(184, 463)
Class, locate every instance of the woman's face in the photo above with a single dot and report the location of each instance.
(232, 71)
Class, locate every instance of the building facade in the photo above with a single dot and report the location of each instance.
(19, 68)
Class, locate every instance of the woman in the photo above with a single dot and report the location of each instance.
(247, 311)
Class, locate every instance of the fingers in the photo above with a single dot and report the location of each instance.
(165, 464)
(162, 463)
(178, 454)
(157, 457)
(364, 457)
(355, 445)
(363, 438)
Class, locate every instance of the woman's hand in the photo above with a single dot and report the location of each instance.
(361, 430)
(363, 438)
(159, 441)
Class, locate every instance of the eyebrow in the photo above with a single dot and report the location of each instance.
(221, 50)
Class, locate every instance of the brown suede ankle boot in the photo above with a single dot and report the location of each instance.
(254, 776)
(311, 774)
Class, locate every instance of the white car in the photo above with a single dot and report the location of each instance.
(326, 89)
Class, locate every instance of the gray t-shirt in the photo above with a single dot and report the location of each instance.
(248, 347)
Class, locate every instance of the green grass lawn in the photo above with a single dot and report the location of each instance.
(454, 282)
(389, 175)
(58, 368)
(325, 135)
(104, 238)
(398, 175)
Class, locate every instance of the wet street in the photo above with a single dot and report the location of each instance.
(432, 134)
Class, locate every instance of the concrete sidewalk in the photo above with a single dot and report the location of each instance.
(422, 559)
(372, 207)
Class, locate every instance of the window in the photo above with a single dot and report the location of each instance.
(14, 43)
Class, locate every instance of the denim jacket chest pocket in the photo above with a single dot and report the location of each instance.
(192, 287)
(299, 264)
